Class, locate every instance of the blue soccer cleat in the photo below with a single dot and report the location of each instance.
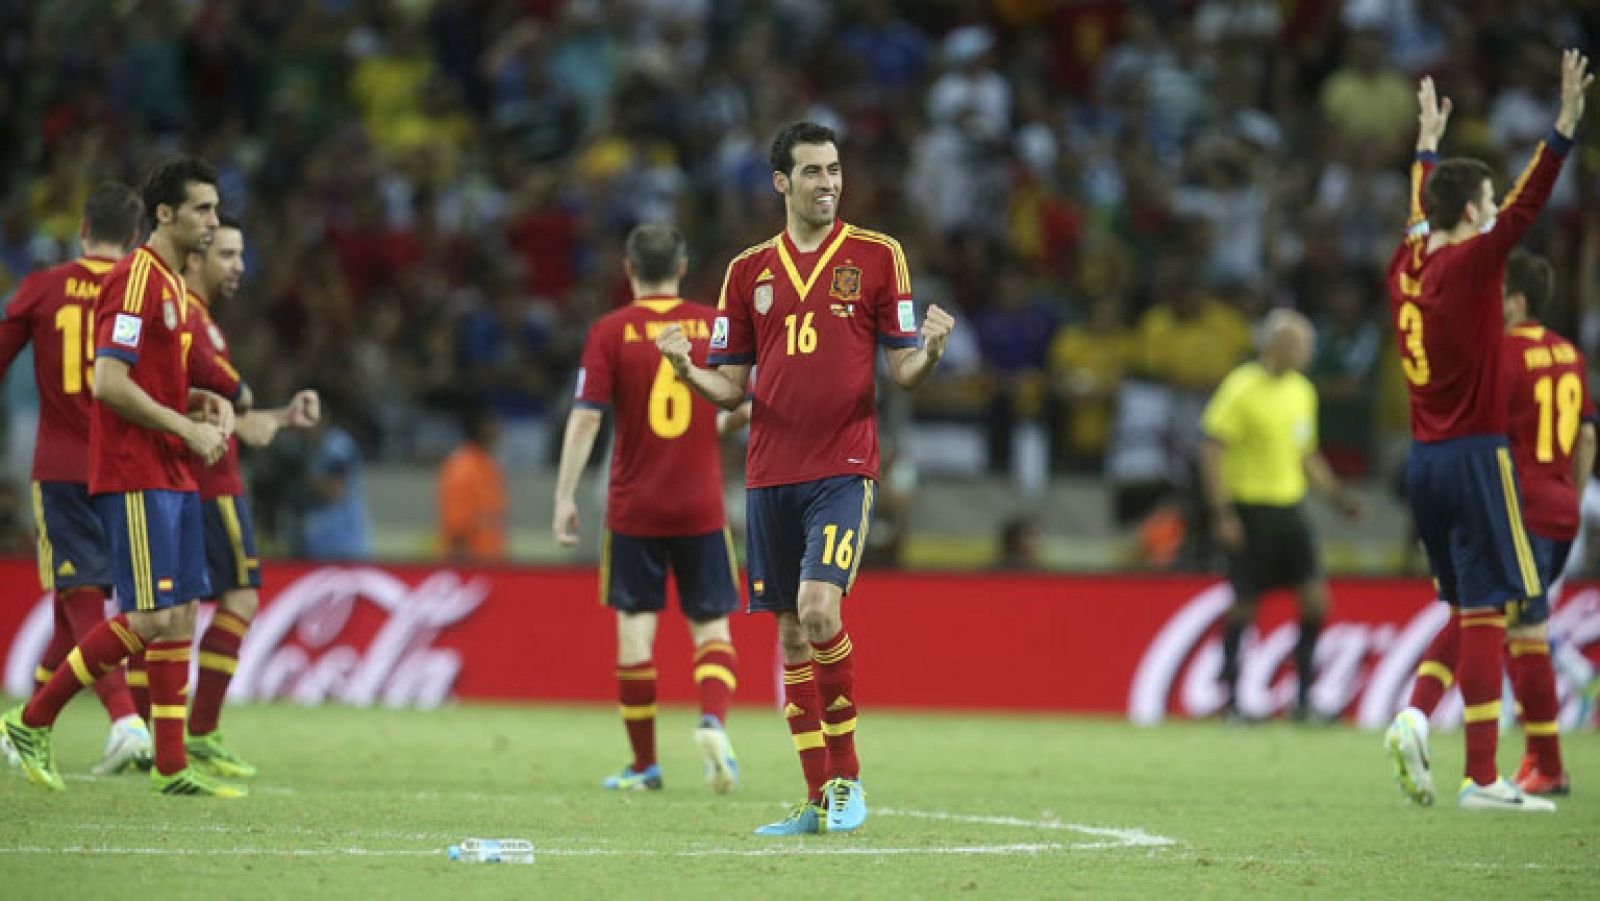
(846, 803)
(804, 819)
(633, 780)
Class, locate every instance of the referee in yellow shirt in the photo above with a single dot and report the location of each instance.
(1259, 453)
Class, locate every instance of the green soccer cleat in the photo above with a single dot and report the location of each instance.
(32, 747)
(210, 750)
(190, 781)
(630, 779)
(804, 819)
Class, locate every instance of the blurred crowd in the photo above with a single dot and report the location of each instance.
(1106, 193)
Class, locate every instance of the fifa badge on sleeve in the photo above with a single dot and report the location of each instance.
(907, 311)
(125, 331)
(719, 333)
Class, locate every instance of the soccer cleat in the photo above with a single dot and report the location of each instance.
(722, 765)
(1500, 795)
(804, 819)
(12, 760)
(127, 745)
(846, 803)
(1533, 782)
(210, 750)
(633, 780)
(190, 781)
(33, 750)
(1407, 744)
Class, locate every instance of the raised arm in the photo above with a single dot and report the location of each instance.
(723, 386)
(910, 366)
(1527, 196)
(1433, 115)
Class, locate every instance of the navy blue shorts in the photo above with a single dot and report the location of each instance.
(158, 554)
(1468, 511)
(231, 561)
(806, 532)
(633, 573)
(72, 544)
(1550, 556)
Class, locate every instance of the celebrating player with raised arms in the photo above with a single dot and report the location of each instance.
(810, 307)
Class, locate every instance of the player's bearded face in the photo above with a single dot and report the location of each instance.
(225, 261)
(195, 221)
(815, 184)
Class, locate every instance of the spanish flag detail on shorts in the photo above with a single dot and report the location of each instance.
(760, 587)
(163, 585)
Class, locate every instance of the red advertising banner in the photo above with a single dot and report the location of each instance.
(1142, 646)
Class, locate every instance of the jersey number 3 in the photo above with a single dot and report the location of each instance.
(670, 403)
(1415, 361)
(1559, 407)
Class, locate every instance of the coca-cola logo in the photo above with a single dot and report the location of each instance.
(1361, 665)
(298, 648)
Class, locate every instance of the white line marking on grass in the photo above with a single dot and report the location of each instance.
(775, 851)
(1118, 838)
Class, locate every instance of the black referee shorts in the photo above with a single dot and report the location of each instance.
(1279, 551)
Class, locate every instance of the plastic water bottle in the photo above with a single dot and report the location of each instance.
(493, 850)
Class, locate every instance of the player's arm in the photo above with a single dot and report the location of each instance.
(15, 328)
(723, 385)
(731, 422)
(114, 386)
(1527, 196)
(910, 366)
(257, 428)
(1433, 115)
(583, 425)
(1225, 524)
(1583, 455)
(1329, 485)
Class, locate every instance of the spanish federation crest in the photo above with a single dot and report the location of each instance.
(763, 298)
(846, 283)
(169, 314)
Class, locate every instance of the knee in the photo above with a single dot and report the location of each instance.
(242, 603)
(819, 623)
(703, 631)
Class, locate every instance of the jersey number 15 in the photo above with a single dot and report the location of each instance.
(77, 348)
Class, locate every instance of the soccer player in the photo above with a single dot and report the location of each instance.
(140, 439)
(664, 510)
(1260, 451)
(55, 310)
(809, 306)
(1552, 424)
(1444, 289)
(230, 546)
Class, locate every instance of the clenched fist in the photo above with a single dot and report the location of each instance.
(675, 346)
(936, 328)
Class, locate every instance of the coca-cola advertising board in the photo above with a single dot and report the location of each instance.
(1146, 647)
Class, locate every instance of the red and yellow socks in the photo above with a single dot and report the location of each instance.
(84, 609)
(139, 685)
(714, 678)
(1534, 682)
(1436, 672)
(1483, 634)
(105, 647)
(636, 690)
(168, 665)
(836, 686)
(219, 657)
(803, 711)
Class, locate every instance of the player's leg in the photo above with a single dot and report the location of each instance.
(633, 575)
(838, 516)
(1235, 620)
(1313, 599)
(1495, 567)
(1533, 679)
(234, 571)
(707, 573)
(775, 541)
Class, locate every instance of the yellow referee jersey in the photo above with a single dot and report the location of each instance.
(1267, 426)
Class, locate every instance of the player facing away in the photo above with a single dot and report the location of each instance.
(1552, 435)
(810, 307)
(1444, 300)
(231, 561)
(664, 510)
(140, 439)
(54, 309)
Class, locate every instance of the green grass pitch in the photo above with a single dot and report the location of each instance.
(362, 803)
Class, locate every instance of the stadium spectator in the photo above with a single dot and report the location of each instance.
(334, 523)
(1087, 362)
(473, 505)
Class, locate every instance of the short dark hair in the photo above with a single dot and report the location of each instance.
(1454, 184)
(168, 182)
(1531, 276)
(655, 249)
(782, 155)
(230, 222)
(112, 214)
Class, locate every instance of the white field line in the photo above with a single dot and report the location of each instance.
(788, 851)
(1117, 838)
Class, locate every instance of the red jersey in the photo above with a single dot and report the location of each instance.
(1445, 306)
(1548, 386)
(666, 473)
(812, 323)
(55, 310)
(211, 368)
(142, 319)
